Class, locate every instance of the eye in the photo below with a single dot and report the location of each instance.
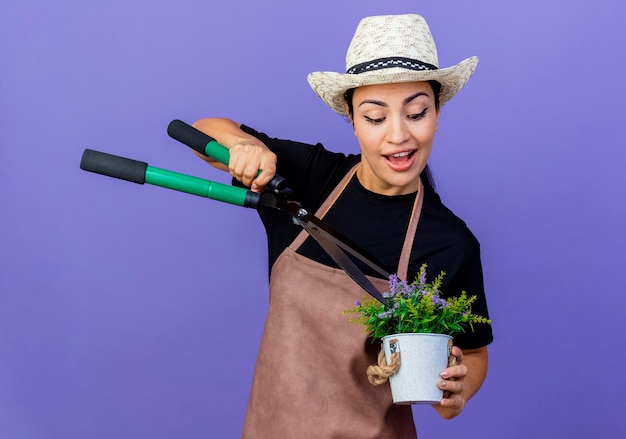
(374, 121)
(418, 116)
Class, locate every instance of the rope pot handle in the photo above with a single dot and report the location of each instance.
(379, 373)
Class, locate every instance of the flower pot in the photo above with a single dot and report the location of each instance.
(422, 358)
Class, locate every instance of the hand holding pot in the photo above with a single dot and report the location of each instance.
(461, 381)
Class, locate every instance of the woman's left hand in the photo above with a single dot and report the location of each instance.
(461, 381)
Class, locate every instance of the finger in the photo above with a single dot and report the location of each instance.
(450, 387)
(452, 394)
(249, 174)
(457, 353)
(267, 168)
(233, 161)
(454, 372)
(263, 177)
(452, 402)
(237, 162)
(237, 172)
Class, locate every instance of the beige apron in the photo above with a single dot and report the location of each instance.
(310, 377)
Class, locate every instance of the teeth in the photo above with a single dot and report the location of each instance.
(400, 154)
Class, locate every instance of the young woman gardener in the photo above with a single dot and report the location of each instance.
(310, 376)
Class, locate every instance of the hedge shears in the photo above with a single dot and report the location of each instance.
(277, 195)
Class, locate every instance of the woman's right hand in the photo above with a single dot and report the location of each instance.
(251, 162)
(248, 156)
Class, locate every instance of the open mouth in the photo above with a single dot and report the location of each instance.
(400, 157)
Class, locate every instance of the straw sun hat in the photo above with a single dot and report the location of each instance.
(387, 49)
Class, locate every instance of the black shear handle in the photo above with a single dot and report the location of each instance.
(208, 146)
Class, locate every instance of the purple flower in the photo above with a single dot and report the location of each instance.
(404, 286)
(438, 301)
(422, 278)
(389, 312)
(385, 314)
(393, 285)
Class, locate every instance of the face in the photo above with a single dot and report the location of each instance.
(395, 125)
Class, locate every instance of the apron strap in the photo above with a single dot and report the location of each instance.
(326, 205)
(405, 255)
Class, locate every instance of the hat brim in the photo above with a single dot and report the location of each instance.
(331, 86)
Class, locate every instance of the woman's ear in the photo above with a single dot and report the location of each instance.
(347, 110)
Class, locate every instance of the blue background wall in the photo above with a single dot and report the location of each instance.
(130, 311)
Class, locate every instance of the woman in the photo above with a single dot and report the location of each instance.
(310, 374)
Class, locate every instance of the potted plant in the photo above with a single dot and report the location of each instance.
(416, 329)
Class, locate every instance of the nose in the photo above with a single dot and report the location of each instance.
(397, 132)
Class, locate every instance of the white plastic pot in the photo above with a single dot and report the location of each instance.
(422, 358)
